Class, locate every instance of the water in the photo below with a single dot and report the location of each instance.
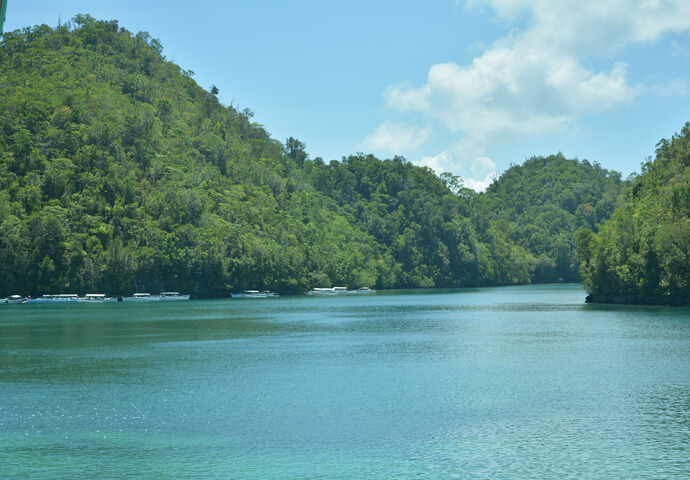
(525, 382)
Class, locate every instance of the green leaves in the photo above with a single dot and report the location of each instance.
(642, 255)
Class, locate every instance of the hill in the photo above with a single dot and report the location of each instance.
(542, 204)
(642, 254)
(118, 173)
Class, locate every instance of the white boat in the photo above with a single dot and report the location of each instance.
(321, 291)
(142, 297)
(327, 291)
(62, 298)
(14, 299)
(360, 291)
(248, 294)
(96, 298)
(172, 296)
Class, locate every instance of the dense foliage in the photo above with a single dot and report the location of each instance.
(542, 204)
(424, 222)
(642, 255)
(118, 173)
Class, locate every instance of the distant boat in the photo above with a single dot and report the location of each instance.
(321, 291)
(360, 291)
(97, 298)
(172, 296)
(326, 291)
(249, 294)
(14, 299)
(62, 298)
(141, 297)
(338, 291)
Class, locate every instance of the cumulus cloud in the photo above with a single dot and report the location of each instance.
(396, 137)
(535, 81)
(482, 169)
(443, 162)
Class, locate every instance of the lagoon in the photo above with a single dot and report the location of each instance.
(513, 382)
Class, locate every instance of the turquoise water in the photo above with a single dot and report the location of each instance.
(519, 382)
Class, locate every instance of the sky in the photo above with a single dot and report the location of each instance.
(469, 87)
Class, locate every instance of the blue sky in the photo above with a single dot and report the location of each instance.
(468, 87)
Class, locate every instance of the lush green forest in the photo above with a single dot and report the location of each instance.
(642, 254)
(543, 203)
(118, 173)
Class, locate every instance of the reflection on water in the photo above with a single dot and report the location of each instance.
(519, 382)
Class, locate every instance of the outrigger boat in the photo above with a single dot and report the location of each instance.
(14, 299)
(249, 294)
(141, 297)
(62, 298)
(172, 296)
(97, 298)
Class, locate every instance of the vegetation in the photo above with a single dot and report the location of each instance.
(118, 173)
(642, 255)
(542, 204)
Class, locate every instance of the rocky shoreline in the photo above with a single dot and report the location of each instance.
(635, 300)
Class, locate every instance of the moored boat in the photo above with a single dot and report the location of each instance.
(360, 291)
(338, 291)
(141, 297)
(14, 299)
(248, 294)
(327, 291)
(172, 296)
(322, 291)
(61, 298)
(96, 298)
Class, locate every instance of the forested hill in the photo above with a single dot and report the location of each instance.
(642, 255)
(542, 204)
(118, 173)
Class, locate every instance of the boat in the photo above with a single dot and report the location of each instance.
(321, 291)
(14, 299)
(97, 298)
(360, 291)
(141, 297)
(339, 291)
(327, 291)
(61, 298)
(271, 294)
(248, 294)
(172, 296)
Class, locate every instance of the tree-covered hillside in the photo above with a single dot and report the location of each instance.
(542, 204)
(642, 255)
(424, 222)
(118, 173)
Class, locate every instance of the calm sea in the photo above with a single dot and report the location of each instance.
(525, 382)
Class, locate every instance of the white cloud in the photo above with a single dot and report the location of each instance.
(482, 169)
(397, 137)
(443, 162)
(536, 81)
